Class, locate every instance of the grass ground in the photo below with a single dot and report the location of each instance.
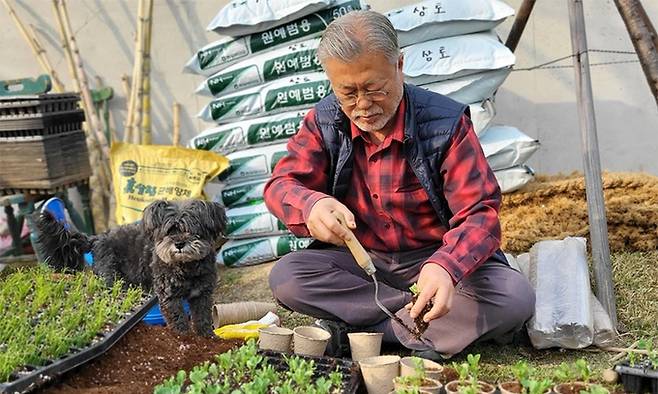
(636, 286)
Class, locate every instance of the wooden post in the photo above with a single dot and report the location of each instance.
(95, 126)
(598, 227)
(519, 24)
(644, 38)
(131, 134)
(175, 110)
(146, 83)
(37, 49)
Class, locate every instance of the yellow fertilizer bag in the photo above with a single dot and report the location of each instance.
(142, 174)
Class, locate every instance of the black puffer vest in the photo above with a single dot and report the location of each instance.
(429, 122)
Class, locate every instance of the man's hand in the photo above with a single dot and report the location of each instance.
(323, 225)
(435, 283)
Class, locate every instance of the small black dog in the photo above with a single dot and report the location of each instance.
(172, 250)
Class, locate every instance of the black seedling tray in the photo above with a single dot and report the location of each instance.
(41, 124)
(33, 105)
(323, 367)
(638, 378)
(32, 377)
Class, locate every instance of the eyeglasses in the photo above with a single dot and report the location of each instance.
(350, 100)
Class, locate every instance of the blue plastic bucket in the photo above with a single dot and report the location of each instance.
(154, 316)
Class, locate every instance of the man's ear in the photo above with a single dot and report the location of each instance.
(154, 215)
(401, 62)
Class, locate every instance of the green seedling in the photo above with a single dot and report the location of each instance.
(521, 371)
(43, 317)
(245, 371)
(583, 372)
(417, 377)
(408, 390)
(525, 376)
(594, 389)
(564, 373)
(537, 386)
(468, 374)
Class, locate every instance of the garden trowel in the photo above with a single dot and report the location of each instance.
(365, 261)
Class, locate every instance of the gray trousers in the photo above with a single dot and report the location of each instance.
(492, 303)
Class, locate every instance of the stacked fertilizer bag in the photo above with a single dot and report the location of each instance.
(450, 47)
(261, 78)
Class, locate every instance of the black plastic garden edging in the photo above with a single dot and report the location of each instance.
(638, 378)
(323, 367)
(34, 377)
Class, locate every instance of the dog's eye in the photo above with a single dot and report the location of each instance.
(172, 230)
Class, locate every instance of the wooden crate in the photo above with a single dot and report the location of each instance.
(44, 162)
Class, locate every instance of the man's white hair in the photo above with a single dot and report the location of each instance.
(356, 33)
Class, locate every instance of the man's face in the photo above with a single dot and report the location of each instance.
(369, 89)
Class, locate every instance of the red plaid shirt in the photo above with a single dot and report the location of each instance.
(392, 209)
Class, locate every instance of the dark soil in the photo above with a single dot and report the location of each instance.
(141, 360)
(421, 325)
(512, 387)
(571, 388)
(448, 375)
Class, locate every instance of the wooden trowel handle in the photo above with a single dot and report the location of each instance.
(360, 255)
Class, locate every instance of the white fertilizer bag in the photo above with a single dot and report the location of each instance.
(241, 17)
(470, 88)
(506, 146)
(250, 164)
(453, 57)
(511, 179)
(252, 221)
(481, 115)
(245, 193)
(286, 94)
(432, 19)
(295, 58)
(259, 250)
(249, 133)
(220, 54)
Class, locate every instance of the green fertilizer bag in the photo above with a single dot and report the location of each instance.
(221, 54)
(239, 194)
(252, 221)
(238, 253)
(249, 133)
(254, 163)
(294, 93)
(295, 58)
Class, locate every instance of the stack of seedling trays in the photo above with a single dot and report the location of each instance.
(42, 144)
(52, 323)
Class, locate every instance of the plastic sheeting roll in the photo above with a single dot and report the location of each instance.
(563, 309)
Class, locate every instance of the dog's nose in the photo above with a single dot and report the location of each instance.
(179, 245)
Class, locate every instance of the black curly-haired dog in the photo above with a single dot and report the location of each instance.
(172, 251)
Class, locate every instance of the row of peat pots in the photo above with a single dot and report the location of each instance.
(384, 374)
